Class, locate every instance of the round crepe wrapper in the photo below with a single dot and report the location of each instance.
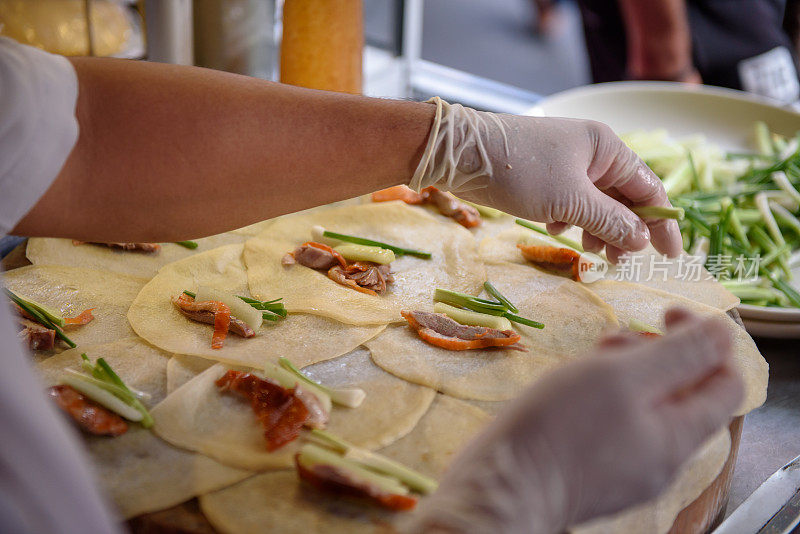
(574, 320)
(454, 263)
(55, 251)
(302, 338)
(658, 515)
(646, 267)
(199, 417)
(634, 301)
(139, 472)
(293, 506)
(74, 289)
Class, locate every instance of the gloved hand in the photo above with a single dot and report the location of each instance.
(558, 171)
(595, 437)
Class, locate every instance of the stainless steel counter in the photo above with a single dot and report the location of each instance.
(771, 434)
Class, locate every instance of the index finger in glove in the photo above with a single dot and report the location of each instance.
(633, 179)
(683, 357)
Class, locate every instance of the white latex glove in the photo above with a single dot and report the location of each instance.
(558, 171)
(595, 437)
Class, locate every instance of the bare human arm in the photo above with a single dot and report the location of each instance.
(659, 40)
(167, 153)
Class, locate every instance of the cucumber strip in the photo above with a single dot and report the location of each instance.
(53, 315)
(485, 211)
(375, 462)
(354, 252)
(188, 244)
(92, 388)
(311, 455)
(239, 309)
(472, 318)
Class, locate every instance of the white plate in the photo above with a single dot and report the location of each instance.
(725, 116)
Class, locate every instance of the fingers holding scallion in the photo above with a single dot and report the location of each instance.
(741, 209)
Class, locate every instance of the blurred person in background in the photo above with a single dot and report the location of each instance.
(742, 44)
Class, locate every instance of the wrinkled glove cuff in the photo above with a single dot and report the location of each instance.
(457, 156)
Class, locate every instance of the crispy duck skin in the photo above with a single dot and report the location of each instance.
(205, 312)
(562, 261)
(141, 247)
(281, 412)
(34, 335)
(335, 480)
(442, 331)
(89, 416)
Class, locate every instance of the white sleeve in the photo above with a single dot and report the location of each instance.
(38, 127)
(45, 482)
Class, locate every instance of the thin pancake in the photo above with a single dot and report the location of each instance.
(293, 507)
(454, 263)
(53, 251)
(302, 338)
(634, 301)
(574, 320)
(74, 289)
(139, 472)
(679, 276)
(198, 417)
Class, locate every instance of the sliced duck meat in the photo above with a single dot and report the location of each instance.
(561, 261)
(446, 203)
(83, 318)
(281, 412)
(337, 480)
(364, 276)
(206, 312)
(442, 331)
(315, 256)
(140, 247)
(449, 206)
(89, 416)
(34, 335)
(399, 192)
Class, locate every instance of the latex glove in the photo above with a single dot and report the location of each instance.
(595, 437)
(558, 171)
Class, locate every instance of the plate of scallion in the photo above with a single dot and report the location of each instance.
(732, 162)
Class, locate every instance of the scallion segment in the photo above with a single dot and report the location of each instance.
(188, 244)
(477, 304)
(493, 291)
(560, 238)
(349, 397)
(658, 212)
(370, 242)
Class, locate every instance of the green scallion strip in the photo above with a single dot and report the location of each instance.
(493, 291)
(41, 319)
(514, 318)
(561, 239)
(363, 241)
(658, 212)
(188, 244)
(272, 310)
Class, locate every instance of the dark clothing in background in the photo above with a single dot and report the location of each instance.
(724, 32)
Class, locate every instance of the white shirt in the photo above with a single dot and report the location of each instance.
(45, 483)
